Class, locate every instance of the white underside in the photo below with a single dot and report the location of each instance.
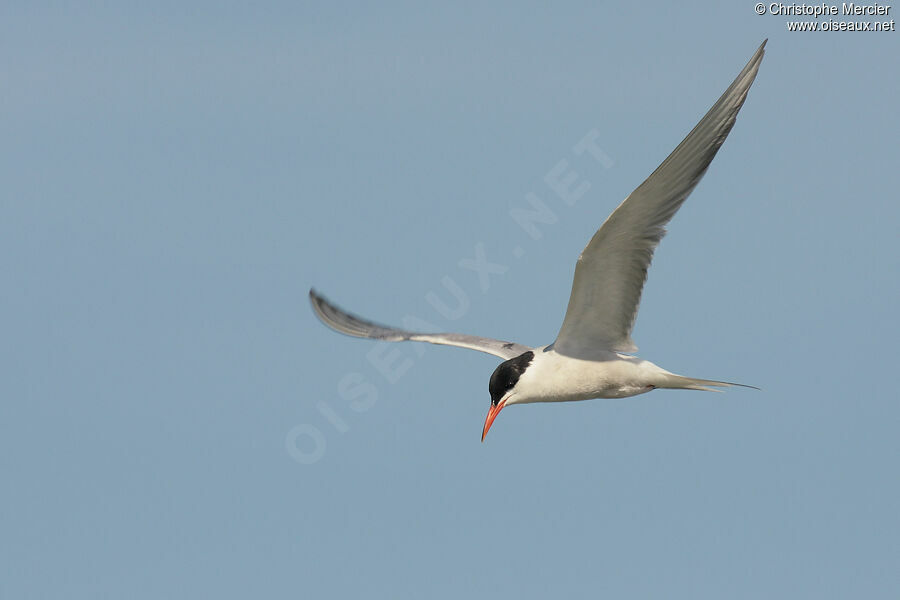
(553, 377)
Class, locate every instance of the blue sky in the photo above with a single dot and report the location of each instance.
(176, 178)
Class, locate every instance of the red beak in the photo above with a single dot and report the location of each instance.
(493, 411)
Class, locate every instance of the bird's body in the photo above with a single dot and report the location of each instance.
(592, 354)
(553, 377)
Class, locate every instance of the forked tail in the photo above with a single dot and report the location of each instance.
(677, 382)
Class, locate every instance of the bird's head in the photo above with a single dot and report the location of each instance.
(503, 386)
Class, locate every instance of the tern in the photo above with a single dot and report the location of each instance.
(593, 354)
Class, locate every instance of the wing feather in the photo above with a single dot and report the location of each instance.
(350, 324)
(612, 269)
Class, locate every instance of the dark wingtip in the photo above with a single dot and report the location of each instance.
(314, 297)
(762, 49)
(744, 385)
(760, 52)
(319, 305)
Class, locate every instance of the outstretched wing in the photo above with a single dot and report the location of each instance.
(350, 324)
(612, 269)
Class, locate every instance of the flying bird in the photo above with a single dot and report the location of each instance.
(593, 354)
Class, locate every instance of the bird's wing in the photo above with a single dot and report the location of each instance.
(350, 324)
(612, 269)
